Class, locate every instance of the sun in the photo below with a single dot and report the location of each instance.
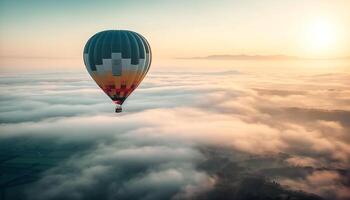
(320, 37)
(321, 34)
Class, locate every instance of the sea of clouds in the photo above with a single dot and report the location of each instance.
(193, 135)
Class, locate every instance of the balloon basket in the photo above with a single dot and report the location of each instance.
(118, 109)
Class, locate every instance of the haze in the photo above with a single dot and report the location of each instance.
(56, 30)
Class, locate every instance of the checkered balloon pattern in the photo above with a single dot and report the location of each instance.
(117, 60)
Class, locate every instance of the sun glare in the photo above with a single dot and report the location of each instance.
(321, 37)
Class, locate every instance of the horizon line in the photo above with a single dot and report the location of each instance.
(259, 57)
(211, 57)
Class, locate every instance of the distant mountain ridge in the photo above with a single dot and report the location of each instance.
(260, 57)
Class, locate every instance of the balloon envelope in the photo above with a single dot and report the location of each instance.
(117, 60)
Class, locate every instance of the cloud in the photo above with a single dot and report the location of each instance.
(179, 137)
(325, 183)
(144, 172)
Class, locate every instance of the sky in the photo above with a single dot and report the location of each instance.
(60, 29)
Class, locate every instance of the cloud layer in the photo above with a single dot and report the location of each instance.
(182, 136)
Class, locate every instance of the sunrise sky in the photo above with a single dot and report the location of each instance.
(60, 29)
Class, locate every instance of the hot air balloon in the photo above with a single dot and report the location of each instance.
(117, 60)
